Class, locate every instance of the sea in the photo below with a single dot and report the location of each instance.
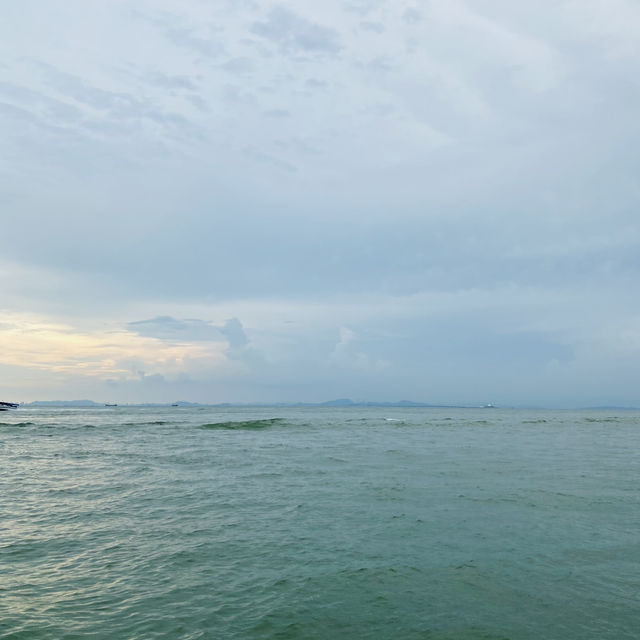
(319, 523)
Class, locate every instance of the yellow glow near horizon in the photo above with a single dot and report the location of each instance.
(32, 342)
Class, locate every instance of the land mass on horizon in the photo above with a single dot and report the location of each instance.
(339, 402)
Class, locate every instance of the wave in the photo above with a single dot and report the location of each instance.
(245, 424)
(17, 424)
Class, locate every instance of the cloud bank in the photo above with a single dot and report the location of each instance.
(298, 201)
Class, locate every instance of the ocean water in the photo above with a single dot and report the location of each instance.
(185, 523)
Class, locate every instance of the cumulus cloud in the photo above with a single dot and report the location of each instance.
(346, 353)
(234, 332)
(32, 342)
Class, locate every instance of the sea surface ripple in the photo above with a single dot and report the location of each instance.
(308, 523)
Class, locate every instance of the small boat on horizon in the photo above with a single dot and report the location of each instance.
(6, 406)
(108, 404)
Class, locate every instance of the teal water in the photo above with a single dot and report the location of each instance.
(319, 523)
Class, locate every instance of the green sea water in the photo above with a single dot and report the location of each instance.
(308, 523)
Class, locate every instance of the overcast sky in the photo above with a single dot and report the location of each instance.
(229, 200)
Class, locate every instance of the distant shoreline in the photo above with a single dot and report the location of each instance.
(341, 403)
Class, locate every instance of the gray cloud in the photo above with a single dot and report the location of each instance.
(198, 102)
(375, 27)
(173, 82)
(411, 15)
(294, 33)
(316, 84)
(173, 330)
(277, 113)
(99, 110)
(362, 7)
(239, 65)
(234, 332)
(202, 38)
(168, 328)
(184, 37)
(465, 202)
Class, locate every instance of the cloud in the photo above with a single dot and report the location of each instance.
(375, 27)
(316, 84)
(198, 36)
(239, 65)
(234, 332)
(457, 191)
(362, 7)
(186, 37)
(168, 328)
(31, 342)
(277, 113)
(411, 15)
(346, 353)
(293, 33)
(241, 350)
(172, 82)
(172, 331)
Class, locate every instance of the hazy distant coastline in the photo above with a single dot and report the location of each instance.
(340, 402)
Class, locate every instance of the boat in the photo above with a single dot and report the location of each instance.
(107, 404)
(6, 406)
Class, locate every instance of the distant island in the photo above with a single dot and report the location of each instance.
(339, 402)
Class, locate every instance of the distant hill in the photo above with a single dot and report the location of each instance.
(339, 402)
(346, 402)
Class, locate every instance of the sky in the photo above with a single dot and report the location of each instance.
(239, 201)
